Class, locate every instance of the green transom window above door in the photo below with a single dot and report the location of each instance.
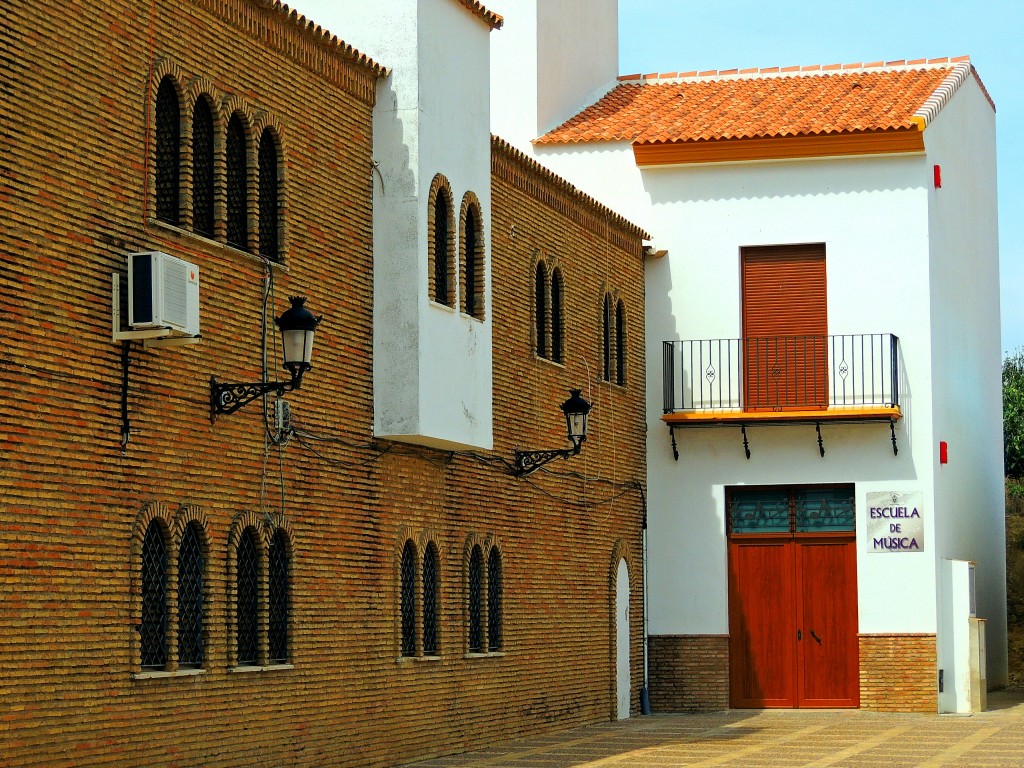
(791, 509)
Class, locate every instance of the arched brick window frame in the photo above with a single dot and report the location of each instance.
(407, 589)
(620, 343)
(607, 337)
(431, 597)
(540, 309)
(279, 596)
(476, 607)
(167, 151)
(484, 585)
(441, 242)
(557, 316)
(203, 173)
(151, 565)
(191, 588)
(269, 193)
(472, 257)
(237, 159)
(247, 589)
(495, 599)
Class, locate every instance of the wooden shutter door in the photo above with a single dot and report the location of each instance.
(785, 327)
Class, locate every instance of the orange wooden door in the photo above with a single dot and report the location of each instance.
(828, 652)
(785, 327)
(793, 623)
(762, 651)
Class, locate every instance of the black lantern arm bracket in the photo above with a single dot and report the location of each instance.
(228, 397)
(525, 462)
(576, 410)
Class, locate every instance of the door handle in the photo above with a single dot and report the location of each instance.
(815, 637)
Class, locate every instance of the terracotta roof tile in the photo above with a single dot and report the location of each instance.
(766, 103)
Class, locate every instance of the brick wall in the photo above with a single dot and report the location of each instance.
(898, 673)
(688, 673)
(76, 197)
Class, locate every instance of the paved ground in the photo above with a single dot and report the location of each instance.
(763, 739)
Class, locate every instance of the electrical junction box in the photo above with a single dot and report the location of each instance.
(163, 292)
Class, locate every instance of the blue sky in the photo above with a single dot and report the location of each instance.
(678, 35)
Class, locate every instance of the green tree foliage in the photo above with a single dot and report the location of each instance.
(1013, 414)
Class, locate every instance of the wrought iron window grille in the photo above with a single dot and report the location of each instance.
(190, 599)
(247, 571)
(153, 627)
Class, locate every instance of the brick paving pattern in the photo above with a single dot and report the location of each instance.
(775, 738)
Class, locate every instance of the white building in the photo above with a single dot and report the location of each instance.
(823, 299)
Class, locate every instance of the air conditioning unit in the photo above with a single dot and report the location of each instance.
(163, 292)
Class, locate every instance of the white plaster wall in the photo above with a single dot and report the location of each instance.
(964, 281)
(871, 213)
(432, 364)
(551, 59)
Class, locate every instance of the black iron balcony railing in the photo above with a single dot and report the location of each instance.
(850, 371)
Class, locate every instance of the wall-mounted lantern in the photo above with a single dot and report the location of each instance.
(298, 325)
(576, 411)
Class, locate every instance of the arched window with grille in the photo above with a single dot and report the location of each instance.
(473, 258)
(540, 309)
(606, 338)
(202, 168)
(269, 197)
(279, 565)
(431, 588)
(168, 152)
(247, 601)
(408, 598)
(495, 616)
(620, 343)
(557, 297)
(236, 155)
(191, 567)
(475, 578)
(441, 242)
(153, 627)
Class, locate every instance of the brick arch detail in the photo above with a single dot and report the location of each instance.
(441, 186)
(160, 513)
(471, 201)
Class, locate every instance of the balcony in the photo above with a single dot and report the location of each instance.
(779, 380)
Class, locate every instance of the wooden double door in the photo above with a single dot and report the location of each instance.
(793, 621)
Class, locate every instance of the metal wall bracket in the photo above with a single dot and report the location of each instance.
(892, 431)
(821, 445)
(675, 448)
(746, 445)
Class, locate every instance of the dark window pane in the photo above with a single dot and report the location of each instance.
(269, 210)
(494, 596)
(279, 586)
(247, 598)
(202, 168)
(430, 602)
(759, 511)
(190, 599)
(476, 640)
(441, 248)
(620, 343)
(471, 262)
(825, 509)
(556, 316)
(168, 146)
(238, 215)
(154, 598)
(540, 292)
(409, 599)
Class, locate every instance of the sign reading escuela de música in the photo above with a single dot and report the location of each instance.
(895, 522)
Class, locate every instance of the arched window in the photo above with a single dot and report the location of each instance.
(473, 260)
(556, 316)
(606, 338)
(247, 580)
(408, 598)
(191, 565)
(168, 149)
(620, 342)
(202, 168)
(268, 197)
(153, 628)
(494, 596)
(237, 208)
(540, 309)
(442, 234)
(431, 579)
(475, 579)
(279, 582)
